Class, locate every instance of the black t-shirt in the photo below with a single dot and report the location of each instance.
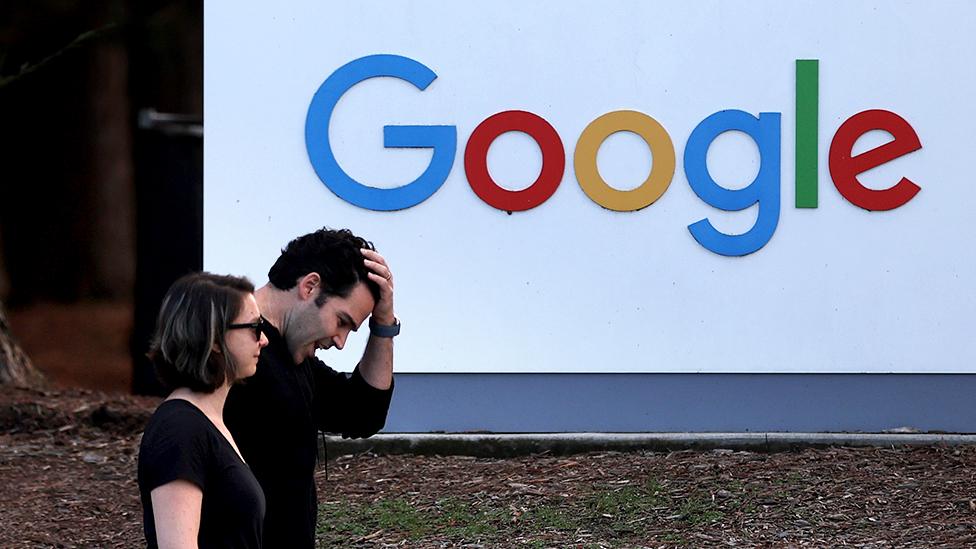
(275, 416)
(180, 443)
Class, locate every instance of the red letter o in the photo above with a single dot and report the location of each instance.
(476, 161)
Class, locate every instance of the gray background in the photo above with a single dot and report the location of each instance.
(517, 403)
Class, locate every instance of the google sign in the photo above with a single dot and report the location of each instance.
(713, 186)
(764, 130)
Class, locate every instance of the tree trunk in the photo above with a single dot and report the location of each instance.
(110, 218)
(15, 367)
(4, 280)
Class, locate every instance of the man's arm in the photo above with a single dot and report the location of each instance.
(376, 366)
(356, 406)
(348, 405)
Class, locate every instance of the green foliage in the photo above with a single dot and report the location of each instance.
(551, 517)
(607, 512)
(700, 510)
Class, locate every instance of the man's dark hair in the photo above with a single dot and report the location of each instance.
(192, 322)
(332, 253)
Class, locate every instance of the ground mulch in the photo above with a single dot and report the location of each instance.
(82, 344)
(67, 479)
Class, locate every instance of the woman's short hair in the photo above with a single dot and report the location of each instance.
(192, 323)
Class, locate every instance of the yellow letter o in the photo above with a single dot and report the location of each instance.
(662, 153)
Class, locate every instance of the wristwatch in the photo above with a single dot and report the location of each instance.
(381, 330)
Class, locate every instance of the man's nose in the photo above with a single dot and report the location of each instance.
(262, 341)
(340, 340)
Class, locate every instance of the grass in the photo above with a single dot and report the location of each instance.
(700, 510)
(448, 517)
(619, 513)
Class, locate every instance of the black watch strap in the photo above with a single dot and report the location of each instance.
(381, 330)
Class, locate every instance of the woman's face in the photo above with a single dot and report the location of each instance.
(244, 345)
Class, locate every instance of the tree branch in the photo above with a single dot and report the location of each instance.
(82, 39)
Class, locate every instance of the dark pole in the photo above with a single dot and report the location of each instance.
(169, 223)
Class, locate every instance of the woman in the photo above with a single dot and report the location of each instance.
(196, 489)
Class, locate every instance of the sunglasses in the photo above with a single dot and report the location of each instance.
(256, 326)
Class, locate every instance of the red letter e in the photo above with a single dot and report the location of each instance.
(844, 168)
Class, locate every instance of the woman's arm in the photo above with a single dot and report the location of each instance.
(176, 511)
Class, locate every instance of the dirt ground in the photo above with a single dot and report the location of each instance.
(68, 458)
(67, 472)
(83, 344)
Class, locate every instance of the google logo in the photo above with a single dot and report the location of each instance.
(764, 130)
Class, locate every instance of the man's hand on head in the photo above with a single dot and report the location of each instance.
(376, 366)
(379, 272)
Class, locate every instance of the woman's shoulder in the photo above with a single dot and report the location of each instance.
(177, 419)
(177, 410)
(179, 442)
(175, 445)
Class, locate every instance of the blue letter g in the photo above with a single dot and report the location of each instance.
(443, 139)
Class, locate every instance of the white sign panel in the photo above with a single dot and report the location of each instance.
(628, 186)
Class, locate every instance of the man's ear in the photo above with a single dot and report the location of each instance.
(308, 285)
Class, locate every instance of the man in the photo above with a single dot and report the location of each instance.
(323, 286)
